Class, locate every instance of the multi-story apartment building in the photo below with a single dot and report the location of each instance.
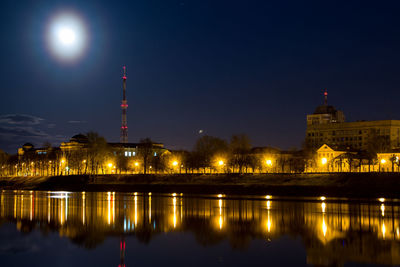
(327, 126)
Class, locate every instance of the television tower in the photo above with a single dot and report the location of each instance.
(326, 97)
(124, 106)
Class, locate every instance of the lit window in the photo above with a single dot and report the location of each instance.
(130, 154)
(126, 153)
(155, 154)
(133, 153)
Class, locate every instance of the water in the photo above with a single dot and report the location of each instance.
(144, 229)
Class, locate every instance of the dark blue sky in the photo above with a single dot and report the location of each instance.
(255, 67)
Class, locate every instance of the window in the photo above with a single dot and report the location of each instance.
(126, 153)
(133, 153)
(155, 154)
(130, 154)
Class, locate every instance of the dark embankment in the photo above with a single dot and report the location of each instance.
(339, 185)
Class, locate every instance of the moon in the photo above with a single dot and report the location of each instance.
(67, 36)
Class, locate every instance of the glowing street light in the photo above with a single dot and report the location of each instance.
(324, 161)
(383, 161)
(268, 162)
(175, 163)
(221, 162)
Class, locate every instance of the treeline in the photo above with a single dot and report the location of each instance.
(209, 155)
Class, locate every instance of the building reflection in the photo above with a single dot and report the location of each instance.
(333, 233)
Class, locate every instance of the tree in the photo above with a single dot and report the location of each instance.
(98, 151)
(240, 148)
(145, 150)
(121, 162)
(378, 143)
(3, 162)
(393, 159)
(206, 148)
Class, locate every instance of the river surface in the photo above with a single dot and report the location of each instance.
(40, 228)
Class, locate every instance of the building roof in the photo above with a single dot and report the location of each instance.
(80, 138)
(325, 109)
(134, 145)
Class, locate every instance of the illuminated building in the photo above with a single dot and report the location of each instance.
(328, 159)
(327, 126)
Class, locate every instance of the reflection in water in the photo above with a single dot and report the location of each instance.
(332, 232)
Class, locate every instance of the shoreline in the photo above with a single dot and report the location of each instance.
(311, 184)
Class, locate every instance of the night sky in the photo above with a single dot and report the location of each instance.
(226, 67)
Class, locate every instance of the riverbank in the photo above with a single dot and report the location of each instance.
(338, 184)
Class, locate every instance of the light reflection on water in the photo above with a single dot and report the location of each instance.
(332, 232)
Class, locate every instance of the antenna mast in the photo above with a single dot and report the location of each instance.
(124, 107)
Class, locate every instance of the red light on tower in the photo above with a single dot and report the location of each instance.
(326, 97)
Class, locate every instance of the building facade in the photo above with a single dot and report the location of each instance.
(328, 159)
(327, 126)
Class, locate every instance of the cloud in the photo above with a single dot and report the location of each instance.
(18, 129)
(75, 122)
(20, 119)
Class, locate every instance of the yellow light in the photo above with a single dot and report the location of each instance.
(109, 165)
(324, 227)
(383, 230)
(381, 199)
(174, 194)
(175, 163)
(268, 197)
(221, 162)
(136, 163)
(269, 162)
(63, 161)
(322, 198)
(324, 161)
(323, 206)
(220, 195)
(383, 161)
(84, 161)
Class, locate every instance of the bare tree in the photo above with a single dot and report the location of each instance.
(145, 150)
(206, 148)
(240, 148)
(3, 162)
(97, 153)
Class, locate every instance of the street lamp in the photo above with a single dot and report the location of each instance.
(383, 161)
(268, 162)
